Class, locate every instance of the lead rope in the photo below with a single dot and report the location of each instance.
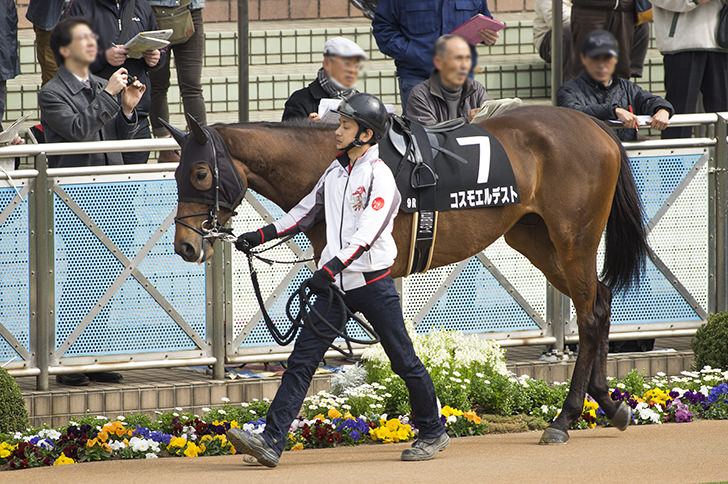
(306, 312)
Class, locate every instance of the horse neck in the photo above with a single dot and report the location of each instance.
(280, 163)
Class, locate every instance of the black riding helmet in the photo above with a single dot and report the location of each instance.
(367, 111)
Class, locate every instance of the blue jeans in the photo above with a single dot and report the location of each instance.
(405, 86)
(379, 303)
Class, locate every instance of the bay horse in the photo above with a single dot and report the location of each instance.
(574, 180)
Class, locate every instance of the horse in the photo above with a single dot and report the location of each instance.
(574, 180)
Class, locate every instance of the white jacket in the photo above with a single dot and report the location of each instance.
(682, 25)
(542, 23)
(359, 208)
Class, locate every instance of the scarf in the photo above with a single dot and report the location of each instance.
(333, 88)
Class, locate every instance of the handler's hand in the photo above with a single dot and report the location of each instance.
(472, 114)
(314, 117)
(489, 37)
(320, 282)
(660, 120)
(248, 240)
(628, 119)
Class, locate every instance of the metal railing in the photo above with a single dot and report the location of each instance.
(90, 281)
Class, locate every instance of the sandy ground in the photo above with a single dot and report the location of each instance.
(672, 453)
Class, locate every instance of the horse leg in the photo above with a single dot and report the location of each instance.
(618, 415)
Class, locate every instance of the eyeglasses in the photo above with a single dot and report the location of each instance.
(87, 36)
(349, 63)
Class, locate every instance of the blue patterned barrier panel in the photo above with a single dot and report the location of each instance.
(14, 275)
(131, 321)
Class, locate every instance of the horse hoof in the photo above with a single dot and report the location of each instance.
(554, 436)
(622, 417)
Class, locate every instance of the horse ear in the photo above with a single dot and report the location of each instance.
(177, 134)
(196, 129)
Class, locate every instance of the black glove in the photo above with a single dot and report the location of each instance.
(320, 281)
(248, 240)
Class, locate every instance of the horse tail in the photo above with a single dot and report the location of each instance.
(626, 237)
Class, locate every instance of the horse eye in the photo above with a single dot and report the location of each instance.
(201, 175)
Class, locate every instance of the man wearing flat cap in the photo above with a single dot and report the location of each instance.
(600, 93)
(335, 80)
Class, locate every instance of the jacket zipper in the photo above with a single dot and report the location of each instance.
(673, 26)
(341, 225)
(118, 9)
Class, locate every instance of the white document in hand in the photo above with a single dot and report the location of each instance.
(148, 40)
(327, 104)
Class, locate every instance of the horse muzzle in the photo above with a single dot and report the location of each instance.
(191, 252)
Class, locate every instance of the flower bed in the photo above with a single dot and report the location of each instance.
(368, 404)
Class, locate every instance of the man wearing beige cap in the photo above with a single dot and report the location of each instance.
(335, 80)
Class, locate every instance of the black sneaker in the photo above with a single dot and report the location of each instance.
(73, 379)
(254, 445)
(105, 376)
(425, 449)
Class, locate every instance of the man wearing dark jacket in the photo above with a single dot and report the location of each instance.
(406, 30)
(449, 93)
(334, 80)
(600, 93)
(109, 19)
(78, 106)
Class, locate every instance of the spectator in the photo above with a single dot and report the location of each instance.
(44, 15)
(640, 46)
(79, 106)
(615, 16)
(685, 33)
(188, 62)
(336, 79)
(9, 62)
(115, 24)
(449, 93)
(602, 94)
(542, 32)
(406, 31)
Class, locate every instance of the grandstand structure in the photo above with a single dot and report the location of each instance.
(286, 38)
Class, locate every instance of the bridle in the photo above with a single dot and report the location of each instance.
(210, 228)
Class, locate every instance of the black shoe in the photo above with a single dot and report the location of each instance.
(105, 376)
(254, 445)
(73, 379)
(426, 449)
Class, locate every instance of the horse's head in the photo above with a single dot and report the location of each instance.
(209, 187)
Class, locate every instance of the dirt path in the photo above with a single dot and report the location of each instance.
(673, 453)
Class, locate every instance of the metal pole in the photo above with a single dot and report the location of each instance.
(218, 312)
(718, 210)
(44, 272)
(243, 88)
(557, 48)
(557, 315)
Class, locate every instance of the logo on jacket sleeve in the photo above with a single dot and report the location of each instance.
(357, 199)
(377, 203)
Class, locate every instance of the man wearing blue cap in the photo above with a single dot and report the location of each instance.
(600, 93)
(335, 80)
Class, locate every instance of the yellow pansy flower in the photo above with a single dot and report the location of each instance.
(298, 446)
(63, 460)
(333, 413)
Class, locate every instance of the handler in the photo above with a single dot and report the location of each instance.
(358, 197)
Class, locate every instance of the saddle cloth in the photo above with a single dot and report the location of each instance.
(450, 166)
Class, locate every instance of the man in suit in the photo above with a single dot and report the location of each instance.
(79, 106)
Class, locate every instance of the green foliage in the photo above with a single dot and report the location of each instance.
(13, 415)
(242, 413)
(710, 343)
(635, 382)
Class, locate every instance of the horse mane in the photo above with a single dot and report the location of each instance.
(298, 123)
